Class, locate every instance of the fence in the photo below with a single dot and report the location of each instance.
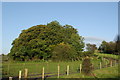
(44, 71)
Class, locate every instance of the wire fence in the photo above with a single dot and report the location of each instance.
(50, 69)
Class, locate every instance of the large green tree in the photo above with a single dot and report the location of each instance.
(38, 42)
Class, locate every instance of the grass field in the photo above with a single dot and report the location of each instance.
(36, 67)
(110, 72)
(12, 68)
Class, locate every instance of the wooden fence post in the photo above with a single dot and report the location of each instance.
(111, 63)
(10, 78)
(80, 68)
(58, 71)
(100, 65)
(43, 73)
(26, 73)
(106, 64)
(19, 74)
(67, 70)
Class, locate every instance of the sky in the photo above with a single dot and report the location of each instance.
(95, 21)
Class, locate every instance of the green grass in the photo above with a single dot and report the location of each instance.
(107, 55)
(110, 72)
(12, 68)
(77, 75)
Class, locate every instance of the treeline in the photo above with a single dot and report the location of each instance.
(55, 42)
(110, 47)
(52, 41)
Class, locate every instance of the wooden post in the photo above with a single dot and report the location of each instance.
(106, 64)
(10, 78)
(100, 65)
(67, 70)
(111, 63)
(80, 68)
(58, 71)
(19, 74)
(43, 73)
(26, 73)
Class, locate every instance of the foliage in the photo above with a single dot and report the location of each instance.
(87, 66)
(87, 53)
(118, 44)
(63, 52)
(4, 57)
(108, 47)
(91, 47)
(38, 42)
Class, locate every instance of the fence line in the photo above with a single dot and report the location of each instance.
(67, 72)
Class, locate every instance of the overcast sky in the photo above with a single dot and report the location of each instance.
(96, 21)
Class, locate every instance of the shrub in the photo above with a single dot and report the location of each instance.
(87, 66)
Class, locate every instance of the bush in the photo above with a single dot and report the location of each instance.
(87, 66)
(87, 53)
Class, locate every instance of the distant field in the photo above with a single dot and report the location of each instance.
(107, 55)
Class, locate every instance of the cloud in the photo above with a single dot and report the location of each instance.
(93, 39)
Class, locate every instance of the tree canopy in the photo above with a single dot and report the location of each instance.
(108, 47)
(91, 47)
(47, 41)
